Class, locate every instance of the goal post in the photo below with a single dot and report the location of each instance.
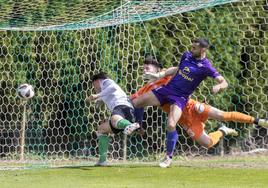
(57, 47)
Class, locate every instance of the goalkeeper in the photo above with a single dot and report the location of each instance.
(122, 118)
(195, 114)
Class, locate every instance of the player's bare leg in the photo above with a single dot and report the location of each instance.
(172, 135)
(147, 99)
(206, 141)
(209, 140)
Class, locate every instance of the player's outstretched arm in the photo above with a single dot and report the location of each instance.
(155, 76)
(92, 97)
(221, 84)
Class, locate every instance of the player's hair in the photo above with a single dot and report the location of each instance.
(101, 75)
(202, 42)
(151, 61)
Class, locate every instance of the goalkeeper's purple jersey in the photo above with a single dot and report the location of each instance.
(189, 75)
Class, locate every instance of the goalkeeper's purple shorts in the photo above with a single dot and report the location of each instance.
(166, 95)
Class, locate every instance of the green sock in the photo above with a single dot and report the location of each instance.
(103, 147)
(122, 124)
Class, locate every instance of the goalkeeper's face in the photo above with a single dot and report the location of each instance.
(150, 68)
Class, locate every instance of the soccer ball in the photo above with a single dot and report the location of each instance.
(25, 91)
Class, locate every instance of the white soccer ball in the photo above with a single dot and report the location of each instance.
(25, 91)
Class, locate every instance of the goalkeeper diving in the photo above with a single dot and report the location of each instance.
(194, 115)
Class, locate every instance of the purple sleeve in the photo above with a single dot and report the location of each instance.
(212, 72)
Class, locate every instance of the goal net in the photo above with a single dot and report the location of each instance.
(58, 46)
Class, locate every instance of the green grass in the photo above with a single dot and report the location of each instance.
(189, 172)
(135, 176)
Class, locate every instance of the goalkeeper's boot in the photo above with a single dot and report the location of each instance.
(130, 128)
(263, 122)
(101, 163)
(228, 131)
(166, 162)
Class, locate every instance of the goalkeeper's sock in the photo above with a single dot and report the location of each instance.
(122, 124)
(214, 137)
(238, 117)
(172, 138)
(103, 147)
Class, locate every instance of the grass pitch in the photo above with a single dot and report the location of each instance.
(134, 177)
(223, 172)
